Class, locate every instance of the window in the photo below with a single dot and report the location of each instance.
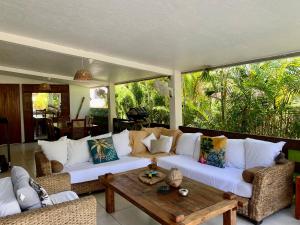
(259, 98)
(98, 97)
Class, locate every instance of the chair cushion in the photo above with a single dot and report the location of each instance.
(25, 194)
(88, 171)
(227, 179)
(102, 150)
(8, 202)
(64, 196)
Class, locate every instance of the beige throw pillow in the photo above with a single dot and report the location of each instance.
(175, 133)
(162, 145)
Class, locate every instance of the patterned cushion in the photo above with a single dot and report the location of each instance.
(42, 193)
(213, 151)
(102, 150)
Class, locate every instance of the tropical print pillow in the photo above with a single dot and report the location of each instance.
(212, 151)
(102, 150)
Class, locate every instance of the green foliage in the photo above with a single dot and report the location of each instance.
(261, 98)
(142, 94)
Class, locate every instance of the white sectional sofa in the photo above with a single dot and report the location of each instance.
(227, 179)
(84, 175)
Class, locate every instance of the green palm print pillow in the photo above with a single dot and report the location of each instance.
(102, 150)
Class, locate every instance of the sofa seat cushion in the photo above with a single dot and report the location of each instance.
(64, 196)
(88, 171)
(226, 179)
(8, 203)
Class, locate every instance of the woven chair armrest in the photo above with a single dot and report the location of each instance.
(55, 183)
(272, 190)
(43, 165)
(81, 211)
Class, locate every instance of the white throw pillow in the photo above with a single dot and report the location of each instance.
(187, 144)
(261, 153)
(8, 201)
(197, 150)
(55, 150)
(122, 143)
(101, 136)
(147, 140)
(235, 153)
(163, 144)
(78, 151)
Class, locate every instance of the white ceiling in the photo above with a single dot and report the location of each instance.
(168, 34)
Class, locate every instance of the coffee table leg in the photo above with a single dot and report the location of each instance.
(109, 200)
(229, 217)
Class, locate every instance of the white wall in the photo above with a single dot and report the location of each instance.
(76, 94)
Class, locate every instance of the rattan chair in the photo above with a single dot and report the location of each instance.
(80, 211)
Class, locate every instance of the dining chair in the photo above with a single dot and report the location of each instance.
(53, 134)
(78, 128)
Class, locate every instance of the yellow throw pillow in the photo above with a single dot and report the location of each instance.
(212, 151)
(155, 130)
(136, 143)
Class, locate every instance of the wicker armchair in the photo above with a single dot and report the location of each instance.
(81, 211)
(272, 191)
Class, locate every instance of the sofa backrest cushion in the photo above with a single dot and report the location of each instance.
(261, 153)
(187, 144)
(155, 130)
(78, 151)
(122, 143)
(136, 143)
(55, 150)
(235, 153)
(25, 194)
(8, 202)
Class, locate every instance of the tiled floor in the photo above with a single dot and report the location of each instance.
(126, 213)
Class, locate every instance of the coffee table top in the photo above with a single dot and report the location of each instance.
(202, 202)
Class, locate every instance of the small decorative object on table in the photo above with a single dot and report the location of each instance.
(153, 164)
(174, 178)
(151, 176)
(164, 189)
(183, 191)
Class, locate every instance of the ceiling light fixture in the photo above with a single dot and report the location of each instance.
(83, 74)
(44, 87)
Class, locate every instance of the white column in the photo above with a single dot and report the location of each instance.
(112, 106)
(176, 101)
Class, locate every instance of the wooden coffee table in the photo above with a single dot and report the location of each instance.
(202, 203)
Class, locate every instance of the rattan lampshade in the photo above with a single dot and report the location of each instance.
(44, 87)
(83, 75)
